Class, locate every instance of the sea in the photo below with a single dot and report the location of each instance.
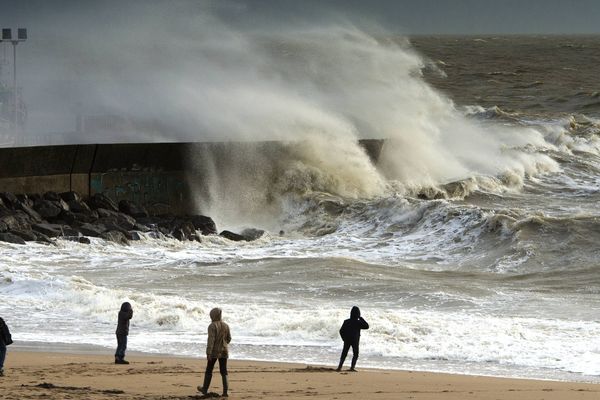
(470, 245)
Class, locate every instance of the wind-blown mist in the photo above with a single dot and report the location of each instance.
(181, 74)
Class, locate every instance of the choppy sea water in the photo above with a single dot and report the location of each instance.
(481, 259)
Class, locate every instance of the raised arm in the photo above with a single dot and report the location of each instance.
(363, 323)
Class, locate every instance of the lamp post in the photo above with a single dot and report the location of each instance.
(21, 37)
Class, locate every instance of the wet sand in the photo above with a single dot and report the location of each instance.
(35, 375)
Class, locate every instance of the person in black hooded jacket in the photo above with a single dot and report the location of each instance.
(350, 333)
(125, 315)
(5, 340)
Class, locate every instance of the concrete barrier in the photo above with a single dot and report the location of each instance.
(156, 175)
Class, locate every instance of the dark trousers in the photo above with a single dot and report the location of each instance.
(210, 364)
(2, 354)
(121, 346)
(347, 346)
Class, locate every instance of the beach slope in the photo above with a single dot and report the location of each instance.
(34, 375)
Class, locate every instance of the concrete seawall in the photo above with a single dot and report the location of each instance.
(155, 175)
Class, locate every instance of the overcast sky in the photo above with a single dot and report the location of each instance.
(402, 16)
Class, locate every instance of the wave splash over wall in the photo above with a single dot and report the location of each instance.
(320, 90)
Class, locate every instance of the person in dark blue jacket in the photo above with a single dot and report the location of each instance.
(350, 333)
(125, 314)
(5, 340)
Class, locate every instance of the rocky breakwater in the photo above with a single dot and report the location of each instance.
(46, 217)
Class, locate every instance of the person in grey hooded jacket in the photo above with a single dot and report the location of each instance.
(217, 345)
(350, 333)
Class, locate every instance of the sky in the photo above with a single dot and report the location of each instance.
(152, 59)
(402, 16)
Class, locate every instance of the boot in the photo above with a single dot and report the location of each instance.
(204, 388)
(225, 386)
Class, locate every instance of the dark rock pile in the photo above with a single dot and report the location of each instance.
(43, 217)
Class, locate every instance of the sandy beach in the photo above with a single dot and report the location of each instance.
(33, 375)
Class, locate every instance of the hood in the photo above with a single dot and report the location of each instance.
(215, 314)
(126, 306)
(355, 313)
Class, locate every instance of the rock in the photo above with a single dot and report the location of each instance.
(70, 196)
(141, 228)
(79, 206)
(33, 197)
(204, 224)
(3, 227)
(17, 220)
(133, 235)
(78, 239)
(156, 235)
(99, 200)
(124, 221)
(41, 238)
(9, 199)
(34, 215)
(116, 237)
(11, 238)
(232, 236)
(251, 234)
(47, 209)
(93, 230)
(51, 196)
(51, 230)
(188, 229)
(179, 235)
(132, 209)
(27, 236)
(70, 231)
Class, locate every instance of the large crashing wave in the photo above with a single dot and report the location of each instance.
(183, 74)
(319, 91)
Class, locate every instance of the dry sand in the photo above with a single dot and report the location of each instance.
(38, 375)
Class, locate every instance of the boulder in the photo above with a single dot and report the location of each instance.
(70, 231)
(64, 218)
(79, 206)
(179, 235)
(9, 199)
(51, 196)
(27, 209)
(133, 235)
(187, 229)
(132, 209)
(27, 236)
(204, 224)
(251, 234)
(78, 239)
(116, 237)
(118, 218)
(70, 196)
(41, 238)
(93, 230)
(232, 236)
(51, 230)
(11, 238)
(33, 197)
(47, 209)
(99, 200)
(16, 220)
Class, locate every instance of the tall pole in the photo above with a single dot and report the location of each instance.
(15, 97)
